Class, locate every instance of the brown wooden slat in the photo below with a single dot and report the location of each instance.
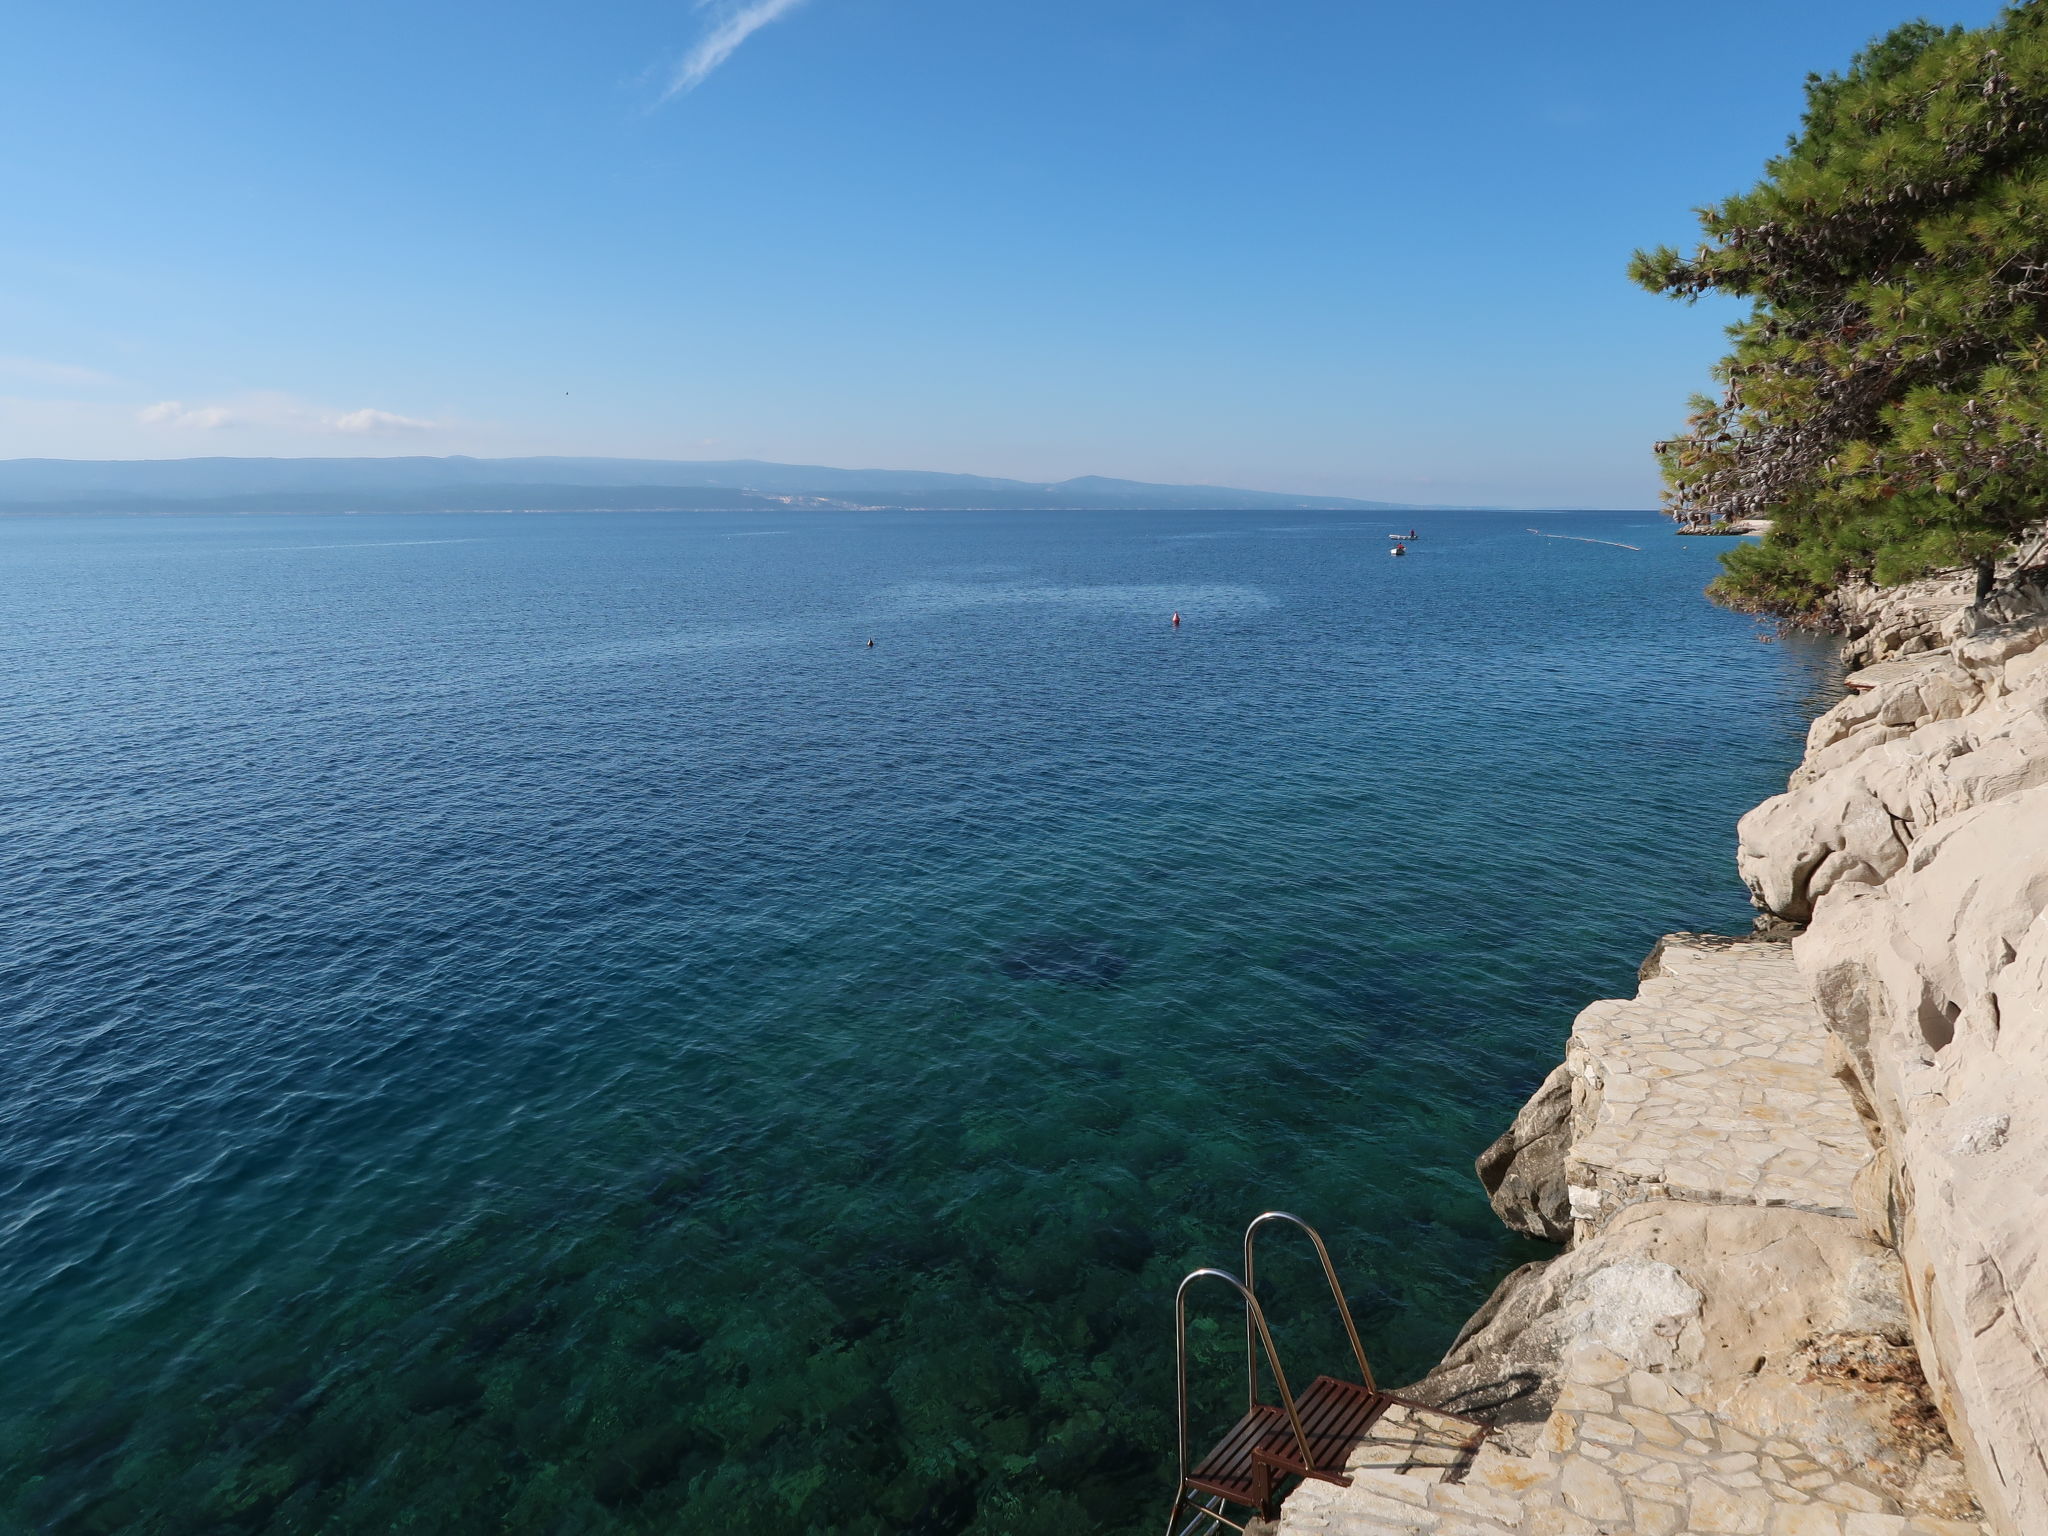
(1319, 1407)
(1348, 1415)
(1323, 1411)
(1329, 1410)
(1320, 1439)
(1335, 1416)
(1243, 1435)
(1227, 1469)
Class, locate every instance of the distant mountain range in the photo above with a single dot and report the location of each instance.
(581, 485)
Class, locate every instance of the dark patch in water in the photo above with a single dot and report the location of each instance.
(912, 1250)
(94, 1433)
(853, 1329)
(435, 1387)
(947, 1509)
(679, 1188)
(1346, 987)
(492, 1334)
(1372, 1306)
(647, 1461)
(668, 1334)
(1095, 1469)
(1124, 1247)
(1074, 962)
(333, 1449)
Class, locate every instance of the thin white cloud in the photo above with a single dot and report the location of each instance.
(734, 26)
(175, 413)
(38, 370)
(367, 420)
(280, 411)
(33, 425)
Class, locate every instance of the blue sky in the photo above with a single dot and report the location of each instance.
(1332, 246)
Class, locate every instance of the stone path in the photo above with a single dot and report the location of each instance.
(1627, 1453)
(1710, 1085)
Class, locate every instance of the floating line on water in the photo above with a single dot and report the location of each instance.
(1576, 539)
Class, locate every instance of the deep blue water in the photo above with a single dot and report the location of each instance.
(527, 1023)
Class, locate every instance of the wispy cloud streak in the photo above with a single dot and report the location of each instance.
(716, 46)
(39, 371)
(274, 410)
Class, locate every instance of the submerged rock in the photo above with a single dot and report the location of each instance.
(1071, 961)
(1380, 1009)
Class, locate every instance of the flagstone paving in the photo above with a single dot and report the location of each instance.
(1711, 1084)
(1626, 1453)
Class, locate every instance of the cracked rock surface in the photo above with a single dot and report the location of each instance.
(1712, 1084)
(1914, 843)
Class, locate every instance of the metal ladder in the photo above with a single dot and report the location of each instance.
(1309, 1436)
(1251, 1284)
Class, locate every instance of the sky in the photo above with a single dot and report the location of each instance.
(1339, 247)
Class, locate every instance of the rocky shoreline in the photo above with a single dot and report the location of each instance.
(1801, 1179)
(1728, 528)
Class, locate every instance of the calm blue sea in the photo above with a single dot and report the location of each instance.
(529, 1024)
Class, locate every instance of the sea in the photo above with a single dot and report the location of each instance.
(602, 1023)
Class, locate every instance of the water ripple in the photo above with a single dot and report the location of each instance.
(528, 1023)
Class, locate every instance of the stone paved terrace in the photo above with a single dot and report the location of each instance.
(1626, 1453)
(1710, 1085)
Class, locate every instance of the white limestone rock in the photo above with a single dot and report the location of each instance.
(1914, 842)
(1885, 765)
(1669, 1285)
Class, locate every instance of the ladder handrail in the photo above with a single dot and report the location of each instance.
(1255, 1325)
(1207, 1508)
(1251, 1358)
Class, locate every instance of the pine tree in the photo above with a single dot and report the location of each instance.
(1886, 401)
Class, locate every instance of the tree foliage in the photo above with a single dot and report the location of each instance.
(1886, 401)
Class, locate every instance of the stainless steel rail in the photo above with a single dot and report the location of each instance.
(1251, 1358)
(1207, 1517)
(1256, 1329)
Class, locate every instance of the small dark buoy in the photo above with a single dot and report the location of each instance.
(871, 645)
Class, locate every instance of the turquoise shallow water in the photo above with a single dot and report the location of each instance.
(526, 1023)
